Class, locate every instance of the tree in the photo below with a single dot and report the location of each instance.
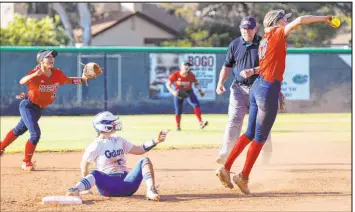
(32, 32)
(221, 21)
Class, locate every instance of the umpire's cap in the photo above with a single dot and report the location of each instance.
(45, 53)
(248, 22)
(273, 16)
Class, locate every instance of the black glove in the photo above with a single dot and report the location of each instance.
(182, 94)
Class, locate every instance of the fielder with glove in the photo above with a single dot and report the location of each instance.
(43, 83)
(182, 80)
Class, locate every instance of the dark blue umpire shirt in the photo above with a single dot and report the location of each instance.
(242, 55)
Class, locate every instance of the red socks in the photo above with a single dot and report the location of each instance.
(30, 149)
(10, 137)
(237, 149)
(177, 119)
(197, 112)
(253, 153)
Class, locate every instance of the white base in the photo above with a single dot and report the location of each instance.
(61, 200)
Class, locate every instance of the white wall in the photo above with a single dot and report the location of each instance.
(131, 32)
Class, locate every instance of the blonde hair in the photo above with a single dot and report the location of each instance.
(271, 16)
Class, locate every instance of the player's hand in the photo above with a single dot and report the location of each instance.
(175, 93)
(281, 102)
(220, 89)
(202, 93)
(21, 96)
(247, 73)
(162, 136)
(328, 20)
(39, 72)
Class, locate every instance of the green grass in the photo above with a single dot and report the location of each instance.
(75, 132)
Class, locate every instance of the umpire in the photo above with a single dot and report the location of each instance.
(242, 54)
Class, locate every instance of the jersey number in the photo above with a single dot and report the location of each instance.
(262, 49)
(119, 162)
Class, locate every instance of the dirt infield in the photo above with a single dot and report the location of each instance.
(302, 176)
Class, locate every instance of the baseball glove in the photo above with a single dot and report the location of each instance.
(182, 94)
(91, 71)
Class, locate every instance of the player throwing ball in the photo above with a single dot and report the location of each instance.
(108, 152)
(183, 80)
(43, 82)
(264, 93)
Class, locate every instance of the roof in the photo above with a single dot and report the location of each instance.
(152, 13)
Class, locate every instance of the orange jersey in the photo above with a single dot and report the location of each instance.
(42, 89)
(181, 82)
(272, 55)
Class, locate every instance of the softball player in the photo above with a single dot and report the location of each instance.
(182, 80)
(242, 54)
(43, 82)
(108, 152)
(264, 93)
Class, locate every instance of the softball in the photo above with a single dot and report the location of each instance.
(336, 22)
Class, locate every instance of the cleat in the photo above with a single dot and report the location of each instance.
(203, 124)
(241, 183)
(178, 129)
(152, 194)
(73, 192)
(28, 166)
(224, 177)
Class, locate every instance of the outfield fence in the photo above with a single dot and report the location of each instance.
(316, 79)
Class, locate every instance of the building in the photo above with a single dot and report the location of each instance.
(136, 24)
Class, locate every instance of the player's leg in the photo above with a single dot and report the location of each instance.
(223, 173)
(267, 100)
(178, 106)
(87, 183)
(193, 101)
(238, 107)
(12, 135)
(30, 114)
(143, 170)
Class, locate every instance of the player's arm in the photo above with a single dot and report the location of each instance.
(74, 80)
(249, 72)
(170, 88)
(308, 19)
(84, 167)
(226, 69)
(198, 86)
(148, 145)
(28, 77)
(89, 157)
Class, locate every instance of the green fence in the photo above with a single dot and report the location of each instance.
(127, 85)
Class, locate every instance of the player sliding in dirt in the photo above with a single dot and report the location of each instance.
(108, 152)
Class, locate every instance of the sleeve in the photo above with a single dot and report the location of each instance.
(91, 153)
(230, 60)
(62, 78)
(172, 77)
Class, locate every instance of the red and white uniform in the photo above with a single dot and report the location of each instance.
(181, 82)
(42, 89)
